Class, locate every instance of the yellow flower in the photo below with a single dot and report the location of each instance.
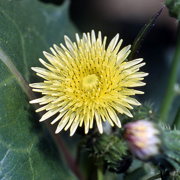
(87, 82)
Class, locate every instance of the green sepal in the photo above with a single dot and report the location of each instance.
(109, 149)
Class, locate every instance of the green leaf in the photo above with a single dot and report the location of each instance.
(142, 33)
(27, 27)
(136, 174)
(174, 8)
(172, 147)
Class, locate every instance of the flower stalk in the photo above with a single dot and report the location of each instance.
(100, 173)
(176, 122)
(169, 94)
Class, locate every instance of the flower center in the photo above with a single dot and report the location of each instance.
(90, 81)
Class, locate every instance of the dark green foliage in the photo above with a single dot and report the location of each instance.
(172, 147)
(168, 162)
(174, 8)
(138, 174)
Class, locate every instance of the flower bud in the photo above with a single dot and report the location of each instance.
(142, 138)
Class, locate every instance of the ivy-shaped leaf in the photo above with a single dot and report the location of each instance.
(27, 27)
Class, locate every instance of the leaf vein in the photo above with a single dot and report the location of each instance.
(8, 146)
(30, 162)
(6, 154)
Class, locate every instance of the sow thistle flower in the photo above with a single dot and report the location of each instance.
(87, 82)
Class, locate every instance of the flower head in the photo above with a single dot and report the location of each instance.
(87, 82)
(142, 137)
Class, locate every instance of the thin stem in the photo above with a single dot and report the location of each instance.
(176, 122)
(143, 32)
(21, 81)
(169, 94)
(100, 173)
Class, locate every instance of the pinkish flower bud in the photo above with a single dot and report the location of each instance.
(142, 138)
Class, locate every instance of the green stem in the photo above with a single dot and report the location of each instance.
(176, 122)
(169, 94)
(143, 32)
(100, 173)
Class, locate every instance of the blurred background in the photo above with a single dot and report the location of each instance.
(127, 17)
